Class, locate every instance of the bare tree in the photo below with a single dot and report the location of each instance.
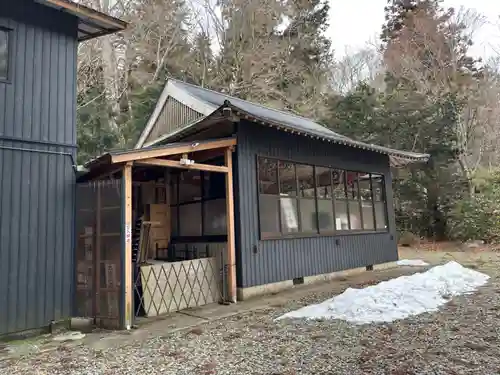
(355, 66)
(234, 46)
(256, 55)
(437, 65)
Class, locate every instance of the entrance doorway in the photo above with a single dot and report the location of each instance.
(171, 222)
(179, 239)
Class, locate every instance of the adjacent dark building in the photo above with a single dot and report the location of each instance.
(38, 65)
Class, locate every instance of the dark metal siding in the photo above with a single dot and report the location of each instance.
(37, 148)
(278, 260)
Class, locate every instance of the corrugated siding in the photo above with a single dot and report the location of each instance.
(37, 143)
(262, 262)
(174, 115)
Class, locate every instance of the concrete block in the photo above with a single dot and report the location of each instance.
(259, 290)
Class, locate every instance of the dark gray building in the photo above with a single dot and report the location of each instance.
(308, 201)
(38, 65)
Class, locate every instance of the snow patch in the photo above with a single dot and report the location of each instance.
(397, 298)
(412, 262)
(70, 336)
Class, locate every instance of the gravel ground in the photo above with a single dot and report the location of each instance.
(463, 338)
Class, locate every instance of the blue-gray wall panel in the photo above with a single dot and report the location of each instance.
(40, 101)
(36, 236)
(37, 148)
(277, 260)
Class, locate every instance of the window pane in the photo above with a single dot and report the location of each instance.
(341, 219)
(268, 176)
(368, 222)
(214, 185)
(378, 187)
(4, 54)
(380, 216)
(364, 187)
(190, 219)
(352, 185)
(308, 218)
(338, 184)
(288, 181)
(205, 181)
(305, 176)
(189, 186)
(323, 182)
(214, 221)
(289, 218)
(173, 220)
(269, 215)
(354, 215)
(173, 189)
(325, 215)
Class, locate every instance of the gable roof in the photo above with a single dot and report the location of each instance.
(208, 102)
(91, 23)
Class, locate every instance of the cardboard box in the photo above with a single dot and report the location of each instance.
(160, 232)
(159, 213)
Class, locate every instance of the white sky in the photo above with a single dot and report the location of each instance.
(353, 23)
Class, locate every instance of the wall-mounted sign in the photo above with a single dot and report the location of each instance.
(128, 233)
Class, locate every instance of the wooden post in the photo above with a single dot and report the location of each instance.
(97, 255)
(127, 253)
(168, 201)
(231, 251)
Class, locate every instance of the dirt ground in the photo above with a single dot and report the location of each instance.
(462, 338)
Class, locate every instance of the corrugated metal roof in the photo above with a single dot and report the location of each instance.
(258, 110)
(91, 23)
(284, 121)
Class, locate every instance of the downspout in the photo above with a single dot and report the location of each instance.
(68, 154)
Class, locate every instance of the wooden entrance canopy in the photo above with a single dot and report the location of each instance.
(184, 155)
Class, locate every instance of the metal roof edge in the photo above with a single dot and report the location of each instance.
(175, 132)
(407, 155)
(85, 11)
(397, 157)
(108, 24)
(154, 116)
(174, 91)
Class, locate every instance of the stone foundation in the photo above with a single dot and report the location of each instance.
(259, 290)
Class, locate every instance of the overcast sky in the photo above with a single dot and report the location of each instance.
(355, 22)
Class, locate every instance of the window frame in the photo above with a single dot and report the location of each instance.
(333, 199)
(10, 36)
(175, 188)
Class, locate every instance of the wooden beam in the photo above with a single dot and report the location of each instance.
(173, 150)
(127, 253)
(207, 155)
(107, 174)
(231, 251)
(177, 164)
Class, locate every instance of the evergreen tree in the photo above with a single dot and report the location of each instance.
(428, 80)
(309, 58)
(429, 72)
(94, 135)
